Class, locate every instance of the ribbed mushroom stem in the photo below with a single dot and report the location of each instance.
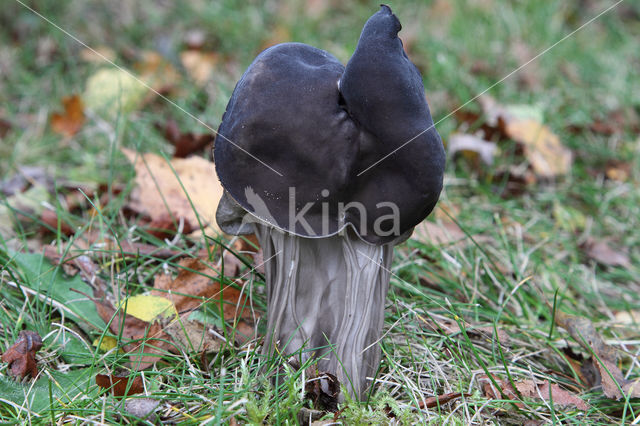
(326, 299)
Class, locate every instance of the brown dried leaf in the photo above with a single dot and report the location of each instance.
(437, 234)
(166, 227)
(561, 397)
(196, 282)
(602, 252)
(618, 170)
(186, 143)
(158, 187)
(51, 218)
(322, 389)
(530, 389)
(22, 355)
(614, 385)
(5, 127)
(71, 120)
(120, 385)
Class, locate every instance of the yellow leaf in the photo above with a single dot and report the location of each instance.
(148, 308)
(548, 157)
(111, 91)
(107, 343)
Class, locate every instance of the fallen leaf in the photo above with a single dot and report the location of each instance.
(197, 282)
(438, 234)
(322, 389)
(106, 343)
(112, 91)
(561, 397)
(530, 389)
(602, 252)
(548, 157)
(141, 407)
(51, 219)
(165, 227)
(199, 65)
(442, 234)
(436, 401)
(71, 120)
(5, 127)
(159, 187)
(120, 385)
(186, 143)
(614, 385)
(147, 340)
(22, 355)
(616, 122)
(465, 143)
(618, 170)
(25, 177)
(148, 308)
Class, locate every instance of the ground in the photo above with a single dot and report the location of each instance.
(482, 296)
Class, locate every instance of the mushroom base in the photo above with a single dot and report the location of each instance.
(326, 299)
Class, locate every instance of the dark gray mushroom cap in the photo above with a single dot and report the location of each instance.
(319, 126)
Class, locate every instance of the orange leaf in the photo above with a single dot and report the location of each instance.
(71, 120)
(120, 385)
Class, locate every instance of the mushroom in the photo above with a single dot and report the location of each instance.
(330, 166)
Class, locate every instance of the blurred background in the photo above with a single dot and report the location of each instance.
(541, 206)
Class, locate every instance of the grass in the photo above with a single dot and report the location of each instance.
(529, 253)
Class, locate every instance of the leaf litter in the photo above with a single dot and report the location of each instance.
(187, 189)
(530, 389)
(69, 122)
(21, 356)
(603, 357)
(546, 156)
